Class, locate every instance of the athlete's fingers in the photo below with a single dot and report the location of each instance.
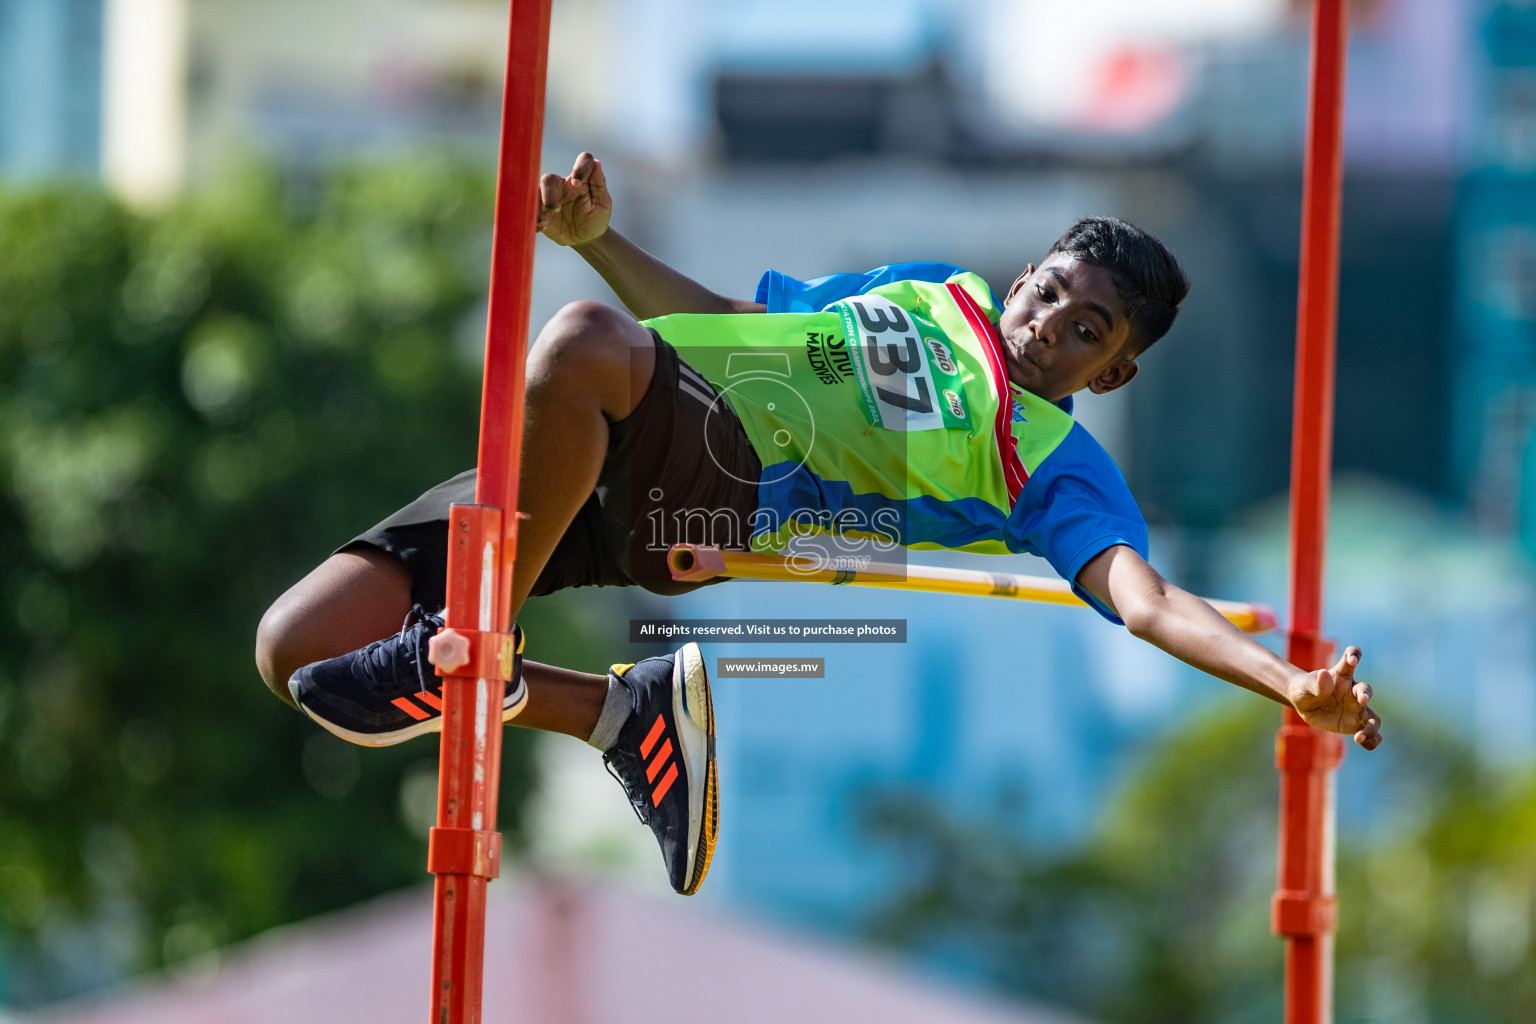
(1345, 669)
(1369, 734)
(1363, 693)
(597, 181)
(551, 192)
(582, 169)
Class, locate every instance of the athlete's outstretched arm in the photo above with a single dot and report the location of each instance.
(1192, 631)
(574, 211)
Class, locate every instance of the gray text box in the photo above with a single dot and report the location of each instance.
(769, 631)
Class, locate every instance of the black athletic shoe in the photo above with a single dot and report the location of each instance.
(665, 759)
(387, 692)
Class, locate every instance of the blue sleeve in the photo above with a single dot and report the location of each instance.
(784, 294)
(1074, 506)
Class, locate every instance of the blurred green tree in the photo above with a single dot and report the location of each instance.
(1162, 915)
(197, 406)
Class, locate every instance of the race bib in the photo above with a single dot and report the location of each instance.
(907, 374)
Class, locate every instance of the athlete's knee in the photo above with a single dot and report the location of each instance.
(351, 599)
(277, 647)
(585, 343)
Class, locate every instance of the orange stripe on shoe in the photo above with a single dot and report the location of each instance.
(430, 699)
(651, 737)
(665, 784)
(657, 761)
(411, 709)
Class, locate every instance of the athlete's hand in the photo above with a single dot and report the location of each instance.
(575, 209)
(1333, 700)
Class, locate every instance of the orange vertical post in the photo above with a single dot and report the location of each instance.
(1304, 910)
(465, 847)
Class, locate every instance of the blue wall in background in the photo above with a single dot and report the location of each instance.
(1495, 413)
(990, 709)
(50, 87)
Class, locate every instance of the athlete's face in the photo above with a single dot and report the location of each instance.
(1064, 329)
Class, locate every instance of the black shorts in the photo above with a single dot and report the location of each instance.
(678, 468)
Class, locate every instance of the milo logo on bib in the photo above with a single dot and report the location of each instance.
(907, 375)
(941, 356)
(955, 402)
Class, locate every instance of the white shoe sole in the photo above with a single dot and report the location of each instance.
(694, 713)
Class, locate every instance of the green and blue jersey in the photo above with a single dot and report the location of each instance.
(879, 406)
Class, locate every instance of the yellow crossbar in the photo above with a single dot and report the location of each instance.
(697, 562)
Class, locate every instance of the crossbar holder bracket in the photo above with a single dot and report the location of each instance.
(471, 654)
(464, 851)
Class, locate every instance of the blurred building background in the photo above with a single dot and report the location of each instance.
(815, 138)
(555, 951)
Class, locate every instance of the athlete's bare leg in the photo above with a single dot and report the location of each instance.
(590, 366)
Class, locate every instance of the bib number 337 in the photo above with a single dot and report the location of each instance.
(907, 376)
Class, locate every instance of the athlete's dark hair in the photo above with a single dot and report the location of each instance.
(1145, 273)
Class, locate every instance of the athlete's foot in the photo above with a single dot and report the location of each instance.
(665, 759)
(387, 692)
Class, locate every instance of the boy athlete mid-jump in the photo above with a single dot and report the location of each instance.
(905, 405)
